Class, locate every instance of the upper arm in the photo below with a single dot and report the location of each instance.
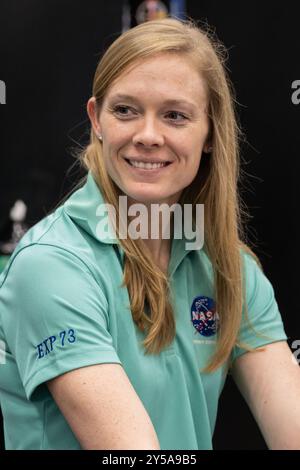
(103, 409)
(55, 316)
(270, 383)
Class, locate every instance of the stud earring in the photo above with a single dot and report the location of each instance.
(100, 137)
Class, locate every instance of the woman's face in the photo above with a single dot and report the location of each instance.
(153, 113)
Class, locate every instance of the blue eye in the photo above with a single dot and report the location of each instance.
(118, 109)
(178, 114)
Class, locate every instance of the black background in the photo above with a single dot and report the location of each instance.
(48, 54)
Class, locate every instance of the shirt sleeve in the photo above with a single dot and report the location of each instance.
(55, 315)
(266, 325)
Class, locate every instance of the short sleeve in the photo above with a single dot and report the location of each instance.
(55, 315)
(263, 312)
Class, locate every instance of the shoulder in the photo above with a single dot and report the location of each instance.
(258, 286)
(41, 275)
(261, 321)
(46, 285)
(52, 247)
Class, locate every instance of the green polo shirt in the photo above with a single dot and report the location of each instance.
(62, 308)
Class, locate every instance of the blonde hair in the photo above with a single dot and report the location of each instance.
(215, 186)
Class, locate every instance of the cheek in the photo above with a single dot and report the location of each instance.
(112, 152)
(111, 147)
(194, 168)
(191, 163)
(116, 142)
(193, 156)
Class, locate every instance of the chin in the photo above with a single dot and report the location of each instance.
(147, 193)
(147, 198)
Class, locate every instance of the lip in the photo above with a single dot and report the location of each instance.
(141, 159)
(145, 171)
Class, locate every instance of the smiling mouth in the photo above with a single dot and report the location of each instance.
(147, 165)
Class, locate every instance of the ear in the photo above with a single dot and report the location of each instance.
(207, 147)
(92, 111)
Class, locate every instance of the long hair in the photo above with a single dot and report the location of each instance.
(215, 186)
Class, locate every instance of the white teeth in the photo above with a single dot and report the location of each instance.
(147, 166)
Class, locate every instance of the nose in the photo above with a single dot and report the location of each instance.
(148, 133)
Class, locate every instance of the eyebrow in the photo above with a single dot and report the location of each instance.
(172, 102)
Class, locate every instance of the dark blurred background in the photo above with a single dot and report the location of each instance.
(48, 55)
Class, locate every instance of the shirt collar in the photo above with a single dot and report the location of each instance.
(82, 206)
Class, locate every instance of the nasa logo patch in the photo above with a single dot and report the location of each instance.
(204, 315)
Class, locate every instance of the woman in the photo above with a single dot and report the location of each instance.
(124, 342)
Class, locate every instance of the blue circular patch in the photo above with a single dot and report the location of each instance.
(204, 316)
